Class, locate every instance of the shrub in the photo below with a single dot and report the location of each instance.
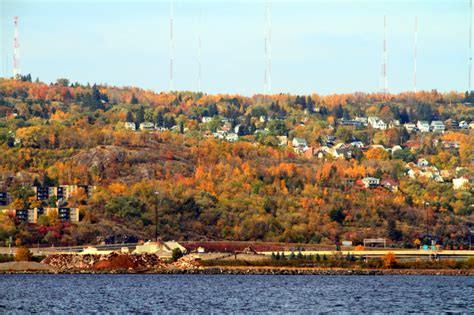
(23, 254)
(389, 260)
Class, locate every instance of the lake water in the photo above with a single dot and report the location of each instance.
(241, 294)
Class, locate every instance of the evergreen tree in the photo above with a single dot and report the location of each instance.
(129, 117)
(140, 116)
(134, 100)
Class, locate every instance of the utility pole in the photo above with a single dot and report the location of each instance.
(171, 45)
(157, 193)
(470, 46)
(415, 53)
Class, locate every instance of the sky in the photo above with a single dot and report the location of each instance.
(319, 47)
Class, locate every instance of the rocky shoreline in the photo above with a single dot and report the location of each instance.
(263, 271)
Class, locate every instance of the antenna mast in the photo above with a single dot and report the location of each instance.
(199, 51)
(384, 80)
(171, 44)
(415, 53)
(16, 50)
(268, 47)
(470, 45)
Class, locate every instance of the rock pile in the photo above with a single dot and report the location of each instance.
(113, 261)
(186, 263)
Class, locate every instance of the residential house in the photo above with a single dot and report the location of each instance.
(282, 141)
(471, 125)
(410, 127)
(363, 120)
(300, 145)
(429, 172)
(370, 182)
(232, 137)
(206, 119)
(147, 126)
(461, 183)
(3, 198)
(422, 163)
(395, 123)
(463, 124)
(437, 126)
(130, 125)
(396, 148)
(357, 144)
(423, 126)
(390, 184)
(377, 123)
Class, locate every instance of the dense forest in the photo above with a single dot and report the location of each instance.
(255, 188)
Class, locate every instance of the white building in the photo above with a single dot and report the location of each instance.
(437, 126)
(147, 126)
(410, 127)
(130, 126)
(377, 123)
(423, 126)
(232, 137)
(460, 183)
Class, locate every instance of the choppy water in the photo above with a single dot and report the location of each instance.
(238, 294)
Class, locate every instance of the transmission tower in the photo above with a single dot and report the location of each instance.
(470, 45)
(171, 45)
(199, 50)
(384, 80)
(16, 50)
(268, 47)
(415, 52)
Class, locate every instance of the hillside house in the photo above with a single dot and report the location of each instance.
(423, 126)
(377, 123)
(422, 163)
(130, 126)
(437, 126)
(232, 137)
(410, 127)
(147, 126)
(370, 182)
(300, 145)
(461, 183)
(390, 184)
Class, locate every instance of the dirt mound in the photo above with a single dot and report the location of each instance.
(187, 263)
(24, 266)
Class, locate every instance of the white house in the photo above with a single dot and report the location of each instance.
(130, 125)
(423, 126)
(147, 126)
(377, 123)
(370, 182)
(357, 144)
(423, 163)
(300, 145)
(460, 183)
(395, 123)
(437, 126)
(463, 124)
(232, 137)
(410, 127)
(206, 119)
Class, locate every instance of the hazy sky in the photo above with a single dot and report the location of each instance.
(318, 46)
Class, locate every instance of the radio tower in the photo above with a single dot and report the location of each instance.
(384, 80)
(199, 51)
(16, 50)
(470, 45)
(268, 47)
(171, 45)
(415, 53)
